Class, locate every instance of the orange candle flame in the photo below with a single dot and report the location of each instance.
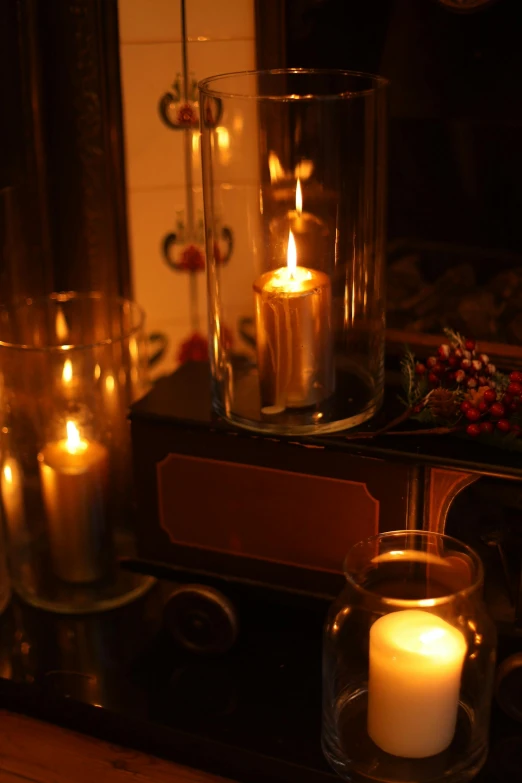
(74, 443)
(298, 198)
(291, 256)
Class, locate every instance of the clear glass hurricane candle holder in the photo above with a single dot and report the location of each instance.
(70, 365)
(409, 659)
(295, 161)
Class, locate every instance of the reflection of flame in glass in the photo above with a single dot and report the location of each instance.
(97, 372)
(62, 330)
(223, 142)
(110, 383)
(432, 636)
(195, 144)
(304, 169)
(223, 137)
(291, 256)
(274, 166)
(298, 198)
(133, 349)
(67, 372)
(74, 443)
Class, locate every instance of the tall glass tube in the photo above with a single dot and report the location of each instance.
(297, 315)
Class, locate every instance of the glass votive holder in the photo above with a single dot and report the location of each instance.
(70, 365)
(297, 314)
(409, 660)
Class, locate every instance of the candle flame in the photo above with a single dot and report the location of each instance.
(291, 257)
(8, 473)
(304, 169)
(298, 198)
(74, 443)
(67, 372)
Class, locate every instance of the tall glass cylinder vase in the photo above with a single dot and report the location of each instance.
(70, 365)
(295, 161)
(409, 661)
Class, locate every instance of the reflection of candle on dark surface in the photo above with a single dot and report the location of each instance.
(62, 330)
(69, 380)
(12, 498)
(111, 396)
(293, 335)
(73, 473)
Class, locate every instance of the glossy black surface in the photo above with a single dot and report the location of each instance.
(252, 713)
(184, 398)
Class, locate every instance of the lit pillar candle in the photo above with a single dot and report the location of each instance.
(73, 473)
(293, 306)
(416, 664)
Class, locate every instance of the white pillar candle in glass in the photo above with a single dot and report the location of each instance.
(416, 661)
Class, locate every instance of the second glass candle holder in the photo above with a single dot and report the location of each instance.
(409, 661)
(70, 365)
(297, 314)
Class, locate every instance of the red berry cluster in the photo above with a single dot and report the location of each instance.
(488, 410)
(458, 366)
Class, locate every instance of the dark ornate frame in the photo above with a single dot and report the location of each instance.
(65, 162)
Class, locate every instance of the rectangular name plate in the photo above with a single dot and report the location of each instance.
(277, 515)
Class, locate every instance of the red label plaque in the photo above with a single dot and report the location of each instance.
(260, 512)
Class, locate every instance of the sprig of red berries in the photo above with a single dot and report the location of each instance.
(458, 364)
(462, 387)
(489, 411)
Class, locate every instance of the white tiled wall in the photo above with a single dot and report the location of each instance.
(221, 40)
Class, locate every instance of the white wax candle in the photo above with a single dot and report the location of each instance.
(416, 661)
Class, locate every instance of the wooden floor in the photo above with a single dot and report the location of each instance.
(36, 752)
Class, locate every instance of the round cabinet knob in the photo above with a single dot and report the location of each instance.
(201, 619)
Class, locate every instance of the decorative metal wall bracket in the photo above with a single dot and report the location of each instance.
(179, 113)
(184, 253)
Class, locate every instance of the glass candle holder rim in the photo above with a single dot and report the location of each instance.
(410, 603)
(67, 296)
(206, 87)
